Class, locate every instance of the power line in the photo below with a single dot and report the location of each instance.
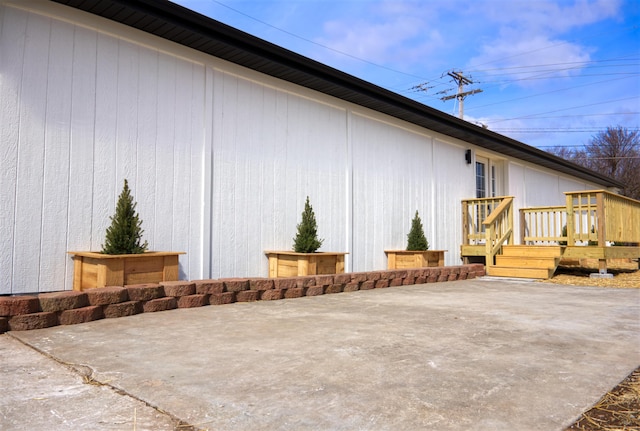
(565, 109)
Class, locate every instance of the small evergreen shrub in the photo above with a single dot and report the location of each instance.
(306, 240)
(124, 236)
(416, 241)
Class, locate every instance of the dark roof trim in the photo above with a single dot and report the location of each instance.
(186, 27)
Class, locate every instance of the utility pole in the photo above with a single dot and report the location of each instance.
(461, 80)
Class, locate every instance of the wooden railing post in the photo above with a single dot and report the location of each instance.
(465, 223)
(523, 226)
(570, 221)
(601, 219)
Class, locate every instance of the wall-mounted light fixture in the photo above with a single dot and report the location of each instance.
(467, 156)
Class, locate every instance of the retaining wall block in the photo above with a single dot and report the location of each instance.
(4, 325)
(352, 287)
(471, 275)
(27, 322)
(334, 288)
(144, 292)
(222, 298)
(367, 285)
(409, 280)
(81, 315)
(261, 284)
(342, 278)
(305, 281)
(192, 301)
(285, 283)
(122, 309)
(235, 284)
(160, 304)
(395, 282)
(15, 305)
(324, 280)
(380, 284)
(359, 276)
(209, 287)
(295, 292)
(107, 295)
(248, 295)
(400, 273)
(421, 280)
(58, 301)
(315, 290)
(273, 294)
(178, 288)
(374, 276)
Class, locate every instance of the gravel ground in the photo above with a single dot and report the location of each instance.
(581, 278)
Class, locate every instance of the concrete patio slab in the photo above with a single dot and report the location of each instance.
(465, 355)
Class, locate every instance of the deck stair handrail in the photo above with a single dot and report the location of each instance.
(498, 229)
(474, 213)
(602, 216)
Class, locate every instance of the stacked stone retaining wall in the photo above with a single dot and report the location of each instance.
(25, 312)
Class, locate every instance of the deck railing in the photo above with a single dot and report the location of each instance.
(589, 218)
(488, 221)
(602, 216)
(542, 225)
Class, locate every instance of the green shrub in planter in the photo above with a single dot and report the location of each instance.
(124, 236)
(416, 241)
(306, 240)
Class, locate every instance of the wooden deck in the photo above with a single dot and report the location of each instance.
(592, 225)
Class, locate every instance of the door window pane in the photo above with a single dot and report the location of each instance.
(481, 178)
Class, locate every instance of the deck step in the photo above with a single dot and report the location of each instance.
(531, 251)
(537, 273)
(525, 261)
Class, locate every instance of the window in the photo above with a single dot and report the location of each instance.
(487, 177)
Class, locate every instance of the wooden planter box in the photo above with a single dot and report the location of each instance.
(401, 259)
(292, 264)
(92, 269)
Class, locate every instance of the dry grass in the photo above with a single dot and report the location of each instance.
(617, 410)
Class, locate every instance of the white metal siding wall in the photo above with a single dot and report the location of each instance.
(392, 174)
(454, 180)
(272, 148)
(82, 110)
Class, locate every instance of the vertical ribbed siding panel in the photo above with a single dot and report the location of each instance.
(31, 155)
(106, 185)
(57, 153)
(82, 145)
(13, 24)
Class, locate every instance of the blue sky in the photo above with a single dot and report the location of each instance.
(552, 72)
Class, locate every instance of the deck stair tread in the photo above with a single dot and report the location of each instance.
(522, 261)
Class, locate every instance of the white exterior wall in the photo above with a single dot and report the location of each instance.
(220, 158)
(81, 110)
